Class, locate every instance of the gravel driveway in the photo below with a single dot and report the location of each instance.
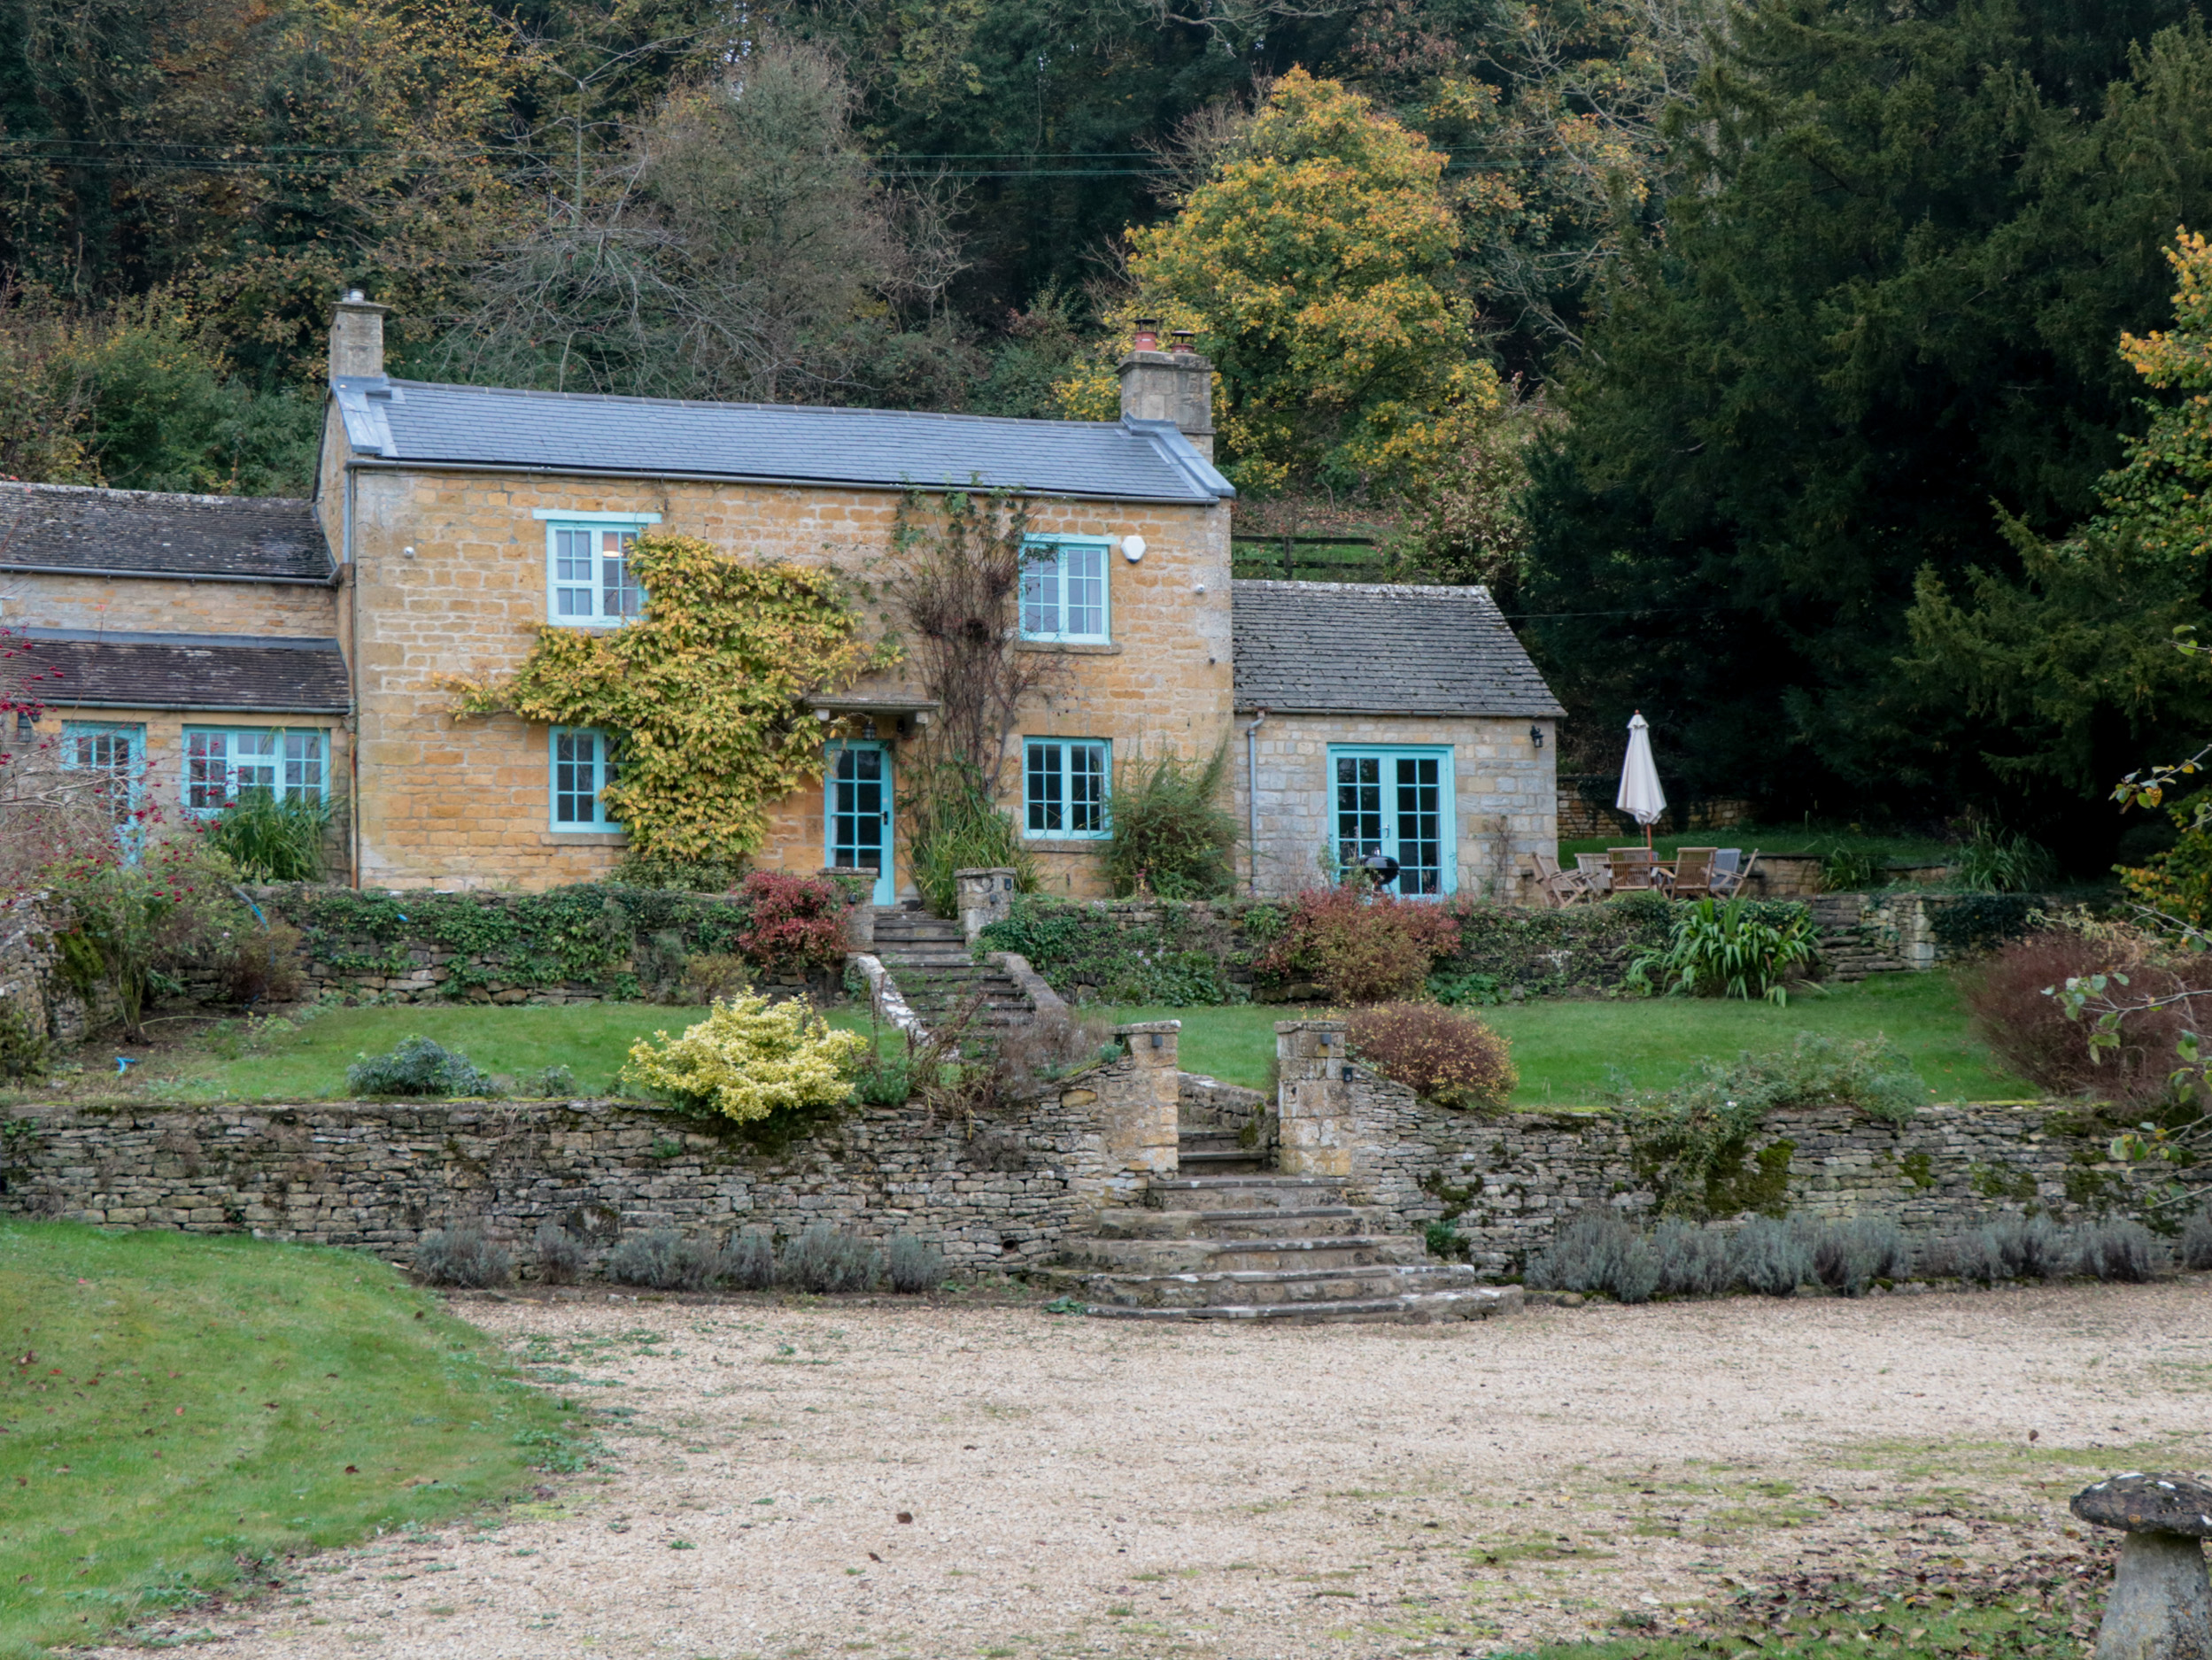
(888, 1480)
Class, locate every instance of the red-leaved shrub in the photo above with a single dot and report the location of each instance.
(1360, 947)
(1439, 1053)
(2031, 1034)
(797, 924)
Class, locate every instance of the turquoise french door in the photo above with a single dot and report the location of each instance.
(858, 814)
(113, 756)
(1398, 802)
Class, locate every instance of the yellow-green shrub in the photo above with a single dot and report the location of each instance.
(747, 1059)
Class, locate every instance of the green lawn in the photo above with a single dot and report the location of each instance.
(1563, 1048)
(179, 1411)
(308, 1063)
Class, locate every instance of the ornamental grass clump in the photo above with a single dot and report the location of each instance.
(1731, 950)
(1441, 1054)
(748, 1059)
(1172, 836)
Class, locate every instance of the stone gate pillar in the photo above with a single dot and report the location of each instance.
(985, 897)
(1143, 1118)
(1312, 1101)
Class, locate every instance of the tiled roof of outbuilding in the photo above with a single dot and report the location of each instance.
(580, 432)
(1372, 648)
(152, 533)
(74, 668)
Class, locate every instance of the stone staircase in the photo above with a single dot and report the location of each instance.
(1232, 1239)
(927, 957)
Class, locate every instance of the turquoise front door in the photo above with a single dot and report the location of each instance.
(858, 813)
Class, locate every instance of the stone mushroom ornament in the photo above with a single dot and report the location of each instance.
(2161, 1606)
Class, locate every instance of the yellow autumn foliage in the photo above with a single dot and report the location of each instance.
(1315, 264)
(747, 1059)
(701, 695)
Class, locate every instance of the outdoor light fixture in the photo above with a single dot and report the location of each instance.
(1133, 548)
(1536, 735)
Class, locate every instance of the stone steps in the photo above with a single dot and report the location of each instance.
(1318, 1221)
(1247, 1193)
(1411, 1309)
(1297, 1253)
(927, 958)
(1239, 1288)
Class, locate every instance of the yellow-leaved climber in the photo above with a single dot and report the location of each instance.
(750, 1058)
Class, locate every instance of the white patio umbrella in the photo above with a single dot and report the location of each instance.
(1640, 796)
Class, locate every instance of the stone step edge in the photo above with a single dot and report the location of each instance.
(1305, 1242)
(1225, 1184)
(1272, 1276)
(1482, 1303)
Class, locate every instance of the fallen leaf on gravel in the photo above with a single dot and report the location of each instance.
(906, 1516)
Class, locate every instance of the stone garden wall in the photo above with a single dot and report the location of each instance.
(1504, 1180)
(991, 1192)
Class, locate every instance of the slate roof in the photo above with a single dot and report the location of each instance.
(1374, 648)
(577, 432)
(72, 528)
(76, 668)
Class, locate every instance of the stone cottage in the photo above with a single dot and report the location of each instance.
(196, 647)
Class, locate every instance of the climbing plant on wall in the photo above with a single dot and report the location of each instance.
(701, 695)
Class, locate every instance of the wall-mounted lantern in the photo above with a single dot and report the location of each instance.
(1535, 735)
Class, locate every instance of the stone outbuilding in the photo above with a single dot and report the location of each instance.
(1392, 719)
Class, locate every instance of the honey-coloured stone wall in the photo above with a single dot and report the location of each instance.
(173, 605)
(452, 803)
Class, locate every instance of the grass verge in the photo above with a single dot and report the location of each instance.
(1565, 1049)
(177, 1414)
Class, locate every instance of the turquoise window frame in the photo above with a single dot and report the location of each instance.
(133, 736)
(1069, 785)
(591, 529)
(287, 754)
(1044, 601)
(1390, 806)
(557, 786)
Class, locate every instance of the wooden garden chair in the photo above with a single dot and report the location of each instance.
(1596, 872)
(1633, 867)
(1728, 874)
(1561, 888)
(1693, 873)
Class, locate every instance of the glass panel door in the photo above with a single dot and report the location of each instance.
(859, 815)
(1397, 804)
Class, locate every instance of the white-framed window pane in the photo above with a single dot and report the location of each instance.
(1045, 799)
(206, 770)
(575, 777)
(1041, 592)
(1083, 580)
(1086, 789)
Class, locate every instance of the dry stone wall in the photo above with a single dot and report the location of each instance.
(377, 1176)
(1505, 1180)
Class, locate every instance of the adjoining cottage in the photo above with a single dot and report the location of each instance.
(185, 647)
(1404, 720)
(204, 646)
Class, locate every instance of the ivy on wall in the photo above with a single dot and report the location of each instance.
(701, 694)
(591, 935)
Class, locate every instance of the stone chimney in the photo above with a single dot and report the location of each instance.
(356, 337)
(1175, 386)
